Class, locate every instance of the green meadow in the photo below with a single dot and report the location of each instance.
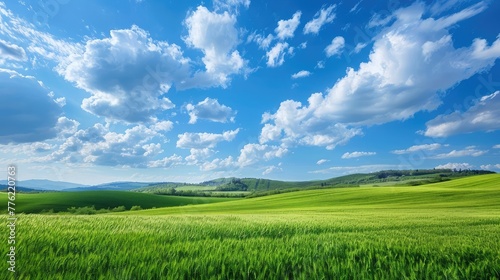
(61, 201)
(446, 230)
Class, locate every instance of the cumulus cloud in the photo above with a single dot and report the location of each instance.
(335, 47)
(262, 42)
(219, 164)
(294, 123)
(99, 146)
(357, 154)
(203, 140)
(127, 75)
(484, 115)
(490, 166)
(322, 17)
(276, 55)
(399, 80)
(216, 36)
(166, 162)
(211, 110)
(198, 155)
(27, 111)
(286, 28)
(253, 153)
(496, 146)
(469, 151)
(451, 165)
(301, 74)
(416, 148)
(9, 51)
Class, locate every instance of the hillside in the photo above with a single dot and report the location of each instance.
(61, 201)
(470, 192)
(259, 186)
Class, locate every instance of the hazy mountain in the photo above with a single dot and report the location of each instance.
(45, 184)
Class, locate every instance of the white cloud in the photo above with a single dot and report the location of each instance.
(276, 55)
(335, 47)
(38, 44)
(301, 125)
(230, 5)
(217, 37)
(204, 140)
(396, 82)
(357, 154)
(469, 151)
(27, 111)
(271, 169)
(286, 28)
(262, 42)
(210, 109)
(322, 17)
(416, 148)
(484, 115)
(9, 51)
(490, 166)
(496, 146)
(97, 145)
(219, 164)
(198, 155)
(127, 75)
(253, 153)
(166, 162)
(455, 166)
(359, 47)
(321, 161)
(301, 74)
(355, 9)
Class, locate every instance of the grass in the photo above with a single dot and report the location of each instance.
(445, 230)
(61, 201)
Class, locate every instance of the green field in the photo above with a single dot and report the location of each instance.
(61, 201)
(447, 230)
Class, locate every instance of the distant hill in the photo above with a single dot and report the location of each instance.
(4, 188)
(115, 186)
(45, 185)
(259, 185)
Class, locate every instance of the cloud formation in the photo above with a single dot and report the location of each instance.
(216, 36)
(210, 109)
(484, 115)
(127, 75)
(27, 111)
(322, 17)
(335, 47)
(203, 140)
(357, 154)
(286, 28)
(412, 60)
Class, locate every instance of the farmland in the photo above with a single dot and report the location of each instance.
(446, 230)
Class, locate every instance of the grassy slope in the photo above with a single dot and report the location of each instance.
(477, 191)
(61, 201)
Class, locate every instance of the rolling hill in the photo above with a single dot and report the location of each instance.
(61, 201)
(470, 192)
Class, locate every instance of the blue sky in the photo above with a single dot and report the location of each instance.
(100, 91)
